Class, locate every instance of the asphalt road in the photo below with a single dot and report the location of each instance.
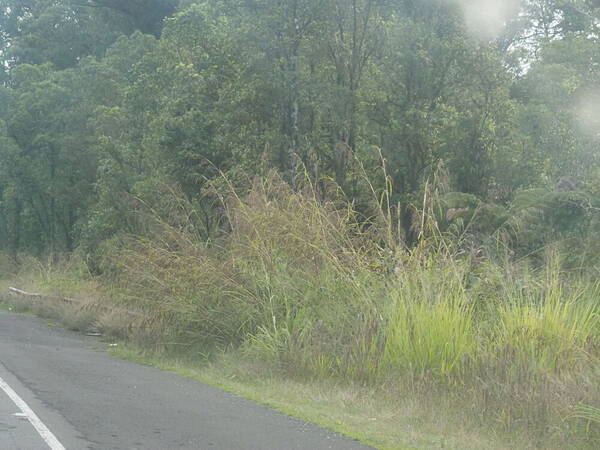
(61, 389)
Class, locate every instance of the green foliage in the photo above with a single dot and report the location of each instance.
(431, 327)
(358, 190)
(93, 108)
(553, 332)
(61, 33)
(297, 284)
(588, 413)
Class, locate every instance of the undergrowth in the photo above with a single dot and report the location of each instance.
(313, 290)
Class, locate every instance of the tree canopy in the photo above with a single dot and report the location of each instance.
(103, 99)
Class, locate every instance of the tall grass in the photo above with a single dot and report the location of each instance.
(552, 331)
(297, 282)
(431, 326)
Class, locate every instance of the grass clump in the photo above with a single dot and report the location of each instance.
(431, 326)
(552, 331)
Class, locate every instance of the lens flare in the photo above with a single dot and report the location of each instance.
(487, 18)
(587, 112)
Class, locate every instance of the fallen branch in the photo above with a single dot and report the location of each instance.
(40, 296)
(19, 291)
(74, 301)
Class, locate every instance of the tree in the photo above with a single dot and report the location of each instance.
(145, 15)
(40, 31)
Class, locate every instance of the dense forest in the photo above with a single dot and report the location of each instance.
(402, 194)
(101, 100)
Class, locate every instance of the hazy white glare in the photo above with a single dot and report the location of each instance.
(587, 112)
(487, 18)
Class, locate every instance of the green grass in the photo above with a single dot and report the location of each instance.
(392, 413)
(431, 327)
(551, 332)
(372, 416)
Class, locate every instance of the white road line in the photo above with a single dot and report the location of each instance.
(42, 429)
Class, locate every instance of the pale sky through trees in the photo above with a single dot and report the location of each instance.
(587, 112)
(487, 18)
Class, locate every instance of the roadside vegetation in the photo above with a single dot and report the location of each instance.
(304, 291)
(386, 208)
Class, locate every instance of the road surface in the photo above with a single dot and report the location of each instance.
(59, 389)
